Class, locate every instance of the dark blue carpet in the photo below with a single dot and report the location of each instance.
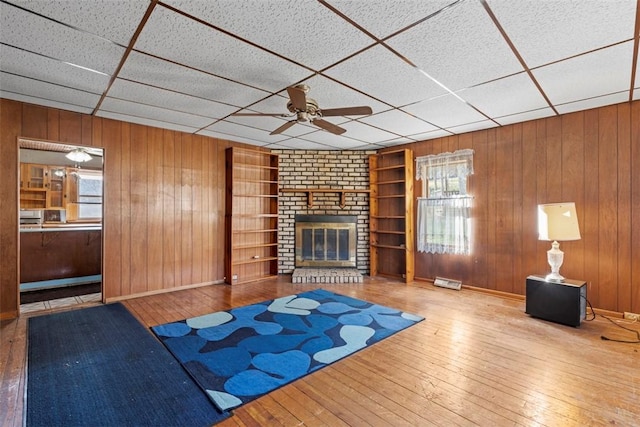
(100, 367)
(239, 355)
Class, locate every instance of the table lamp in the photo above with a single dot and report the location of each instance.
(557, 222)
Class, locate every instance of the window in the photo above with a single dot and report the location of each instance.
(444, 215)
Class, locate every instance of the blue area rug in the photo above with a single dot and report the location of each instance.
(100, 367)
(241, 354)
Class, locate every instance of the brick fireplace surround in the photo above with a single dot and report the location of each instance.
(322, 169)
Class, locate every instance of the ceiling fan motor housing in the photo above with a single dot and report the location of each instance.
(310, 113)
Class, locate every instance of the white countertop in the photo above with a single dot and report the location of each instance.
(61, 227)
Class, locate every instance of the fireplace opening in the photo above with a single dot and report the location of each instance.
(326, 240)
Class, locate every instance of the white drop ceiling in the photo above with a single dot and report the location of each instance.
(427, 68)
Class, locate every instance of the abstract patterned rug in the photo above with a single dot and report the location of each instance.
(241, 354)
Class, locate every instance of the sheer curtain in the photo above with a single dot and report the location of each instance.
(444, 225)
(444, 218)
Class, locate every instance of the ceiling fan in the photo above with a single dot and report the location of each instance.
(307, 110)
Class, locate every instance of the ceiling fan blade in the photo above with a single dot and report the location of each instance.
(261, 114)
(347, 111)
(329, 126)
(283, 127)
(298, 98)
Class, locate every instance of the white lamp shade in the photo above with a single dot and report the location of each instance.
(558, 222)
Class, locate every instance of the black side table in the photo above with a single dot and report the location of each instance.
(560, 302)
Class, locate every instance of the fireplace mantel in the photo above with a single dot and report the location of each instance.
(310, 191)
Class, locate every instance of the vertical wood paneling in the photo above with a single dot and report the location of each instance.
(125, 212)
(70, 127)
(154, 209)
(607, 202)
(506, 250)
(590, 227)
(169, 223)
(186, 210)
(624, 207)
(572, 188)
(196, 210)
(516, 212)
(589, 156)
(529, 230)
(480, 184)
(111, 141)
(491, 209)
(164, 200)
(10, 120)
(139, 244)
(541, 191)
(635, 207)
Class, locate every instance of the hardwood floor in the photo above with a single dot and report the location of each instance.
(477, 359)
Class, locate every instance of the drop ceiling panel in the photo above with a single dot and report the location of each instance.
(399, 122)
(329, 140)
(383, 75)
(136, 92)
(115, 20)
(45, 102)
(39, 35)
(511, 95)
(445, 112)
(232, 137)
(367, 133)
(587, 104)
(154, 113)
(470, 127)
(438, 133)
(526, 116)
(48, 91)
(599, 73)
(546, 31)
(255, 134)
(180, 39)
(145, 121)
(300, 144)
(156, 72)
(460, 47)
(296, 29)
(39, 67)
(385, 17)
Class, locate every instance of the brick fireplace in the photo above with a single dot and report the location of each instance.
(306, 169)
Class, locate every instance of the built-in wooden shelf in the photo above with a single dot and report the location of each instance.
(310, 191)
(251, 215)
(391, 214)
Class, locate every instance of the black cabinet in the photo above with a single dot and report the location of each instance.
(560, 302)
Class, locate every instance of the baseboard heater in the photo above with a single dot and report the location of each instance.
(448, 283)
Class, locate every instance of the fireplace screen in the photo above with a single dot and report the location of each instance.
(326, 240)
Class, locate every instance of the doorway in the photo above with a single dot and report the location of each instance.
(60, 209)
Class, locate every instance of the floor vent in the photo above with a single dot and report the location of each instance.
(448, 283)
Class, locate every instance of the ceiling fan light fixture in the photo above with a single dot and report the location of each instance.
(78, 155)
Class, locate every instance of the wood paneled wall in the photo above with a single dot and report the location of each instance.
(164, 200)
(591, 158)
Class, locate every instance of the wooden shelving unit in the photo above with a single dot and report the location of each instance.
(251, 215)
(391, 214)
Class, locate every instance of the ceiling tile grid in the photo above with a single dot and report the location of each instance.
(460, 47)
(427, 69)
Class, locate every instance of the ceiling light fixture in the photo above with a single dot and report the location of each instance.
(78, 155)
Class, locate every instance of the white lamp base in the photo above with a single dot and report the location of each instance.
(555, 257)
